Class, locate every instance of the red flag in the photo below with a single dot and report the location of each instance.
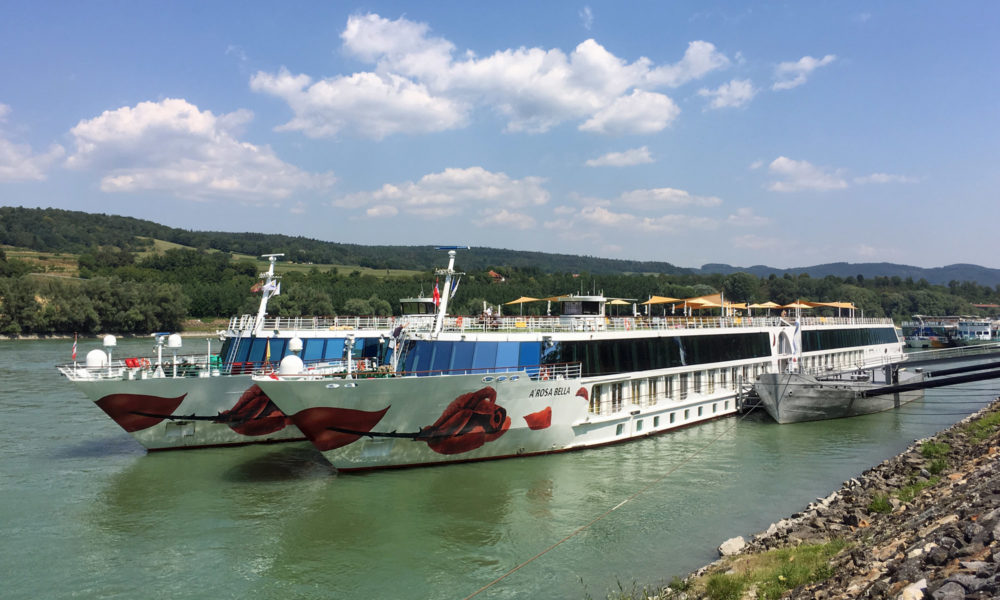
(74, 347)
(437, 294)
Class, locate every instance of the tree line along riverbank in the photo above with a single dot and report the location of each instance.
(924, 524)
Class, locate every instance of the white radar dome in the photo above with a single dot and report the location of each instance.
(97, 358)
(290, 365)
(295, 345)
(173, 341)
(110, 341)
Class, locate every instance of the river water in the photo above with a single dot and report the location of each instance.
(85, 512)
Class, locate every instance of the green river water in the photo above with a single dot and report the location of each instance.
(86, 513)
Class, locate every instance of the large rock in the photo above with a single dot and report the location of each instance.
(732, 546)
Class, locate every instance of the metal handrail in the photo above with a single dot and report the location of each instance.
(553, 372)
(531, 324)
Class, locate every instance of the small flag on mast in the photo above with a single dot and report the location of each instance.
(437, 294)
(267, 351)
(74, 347)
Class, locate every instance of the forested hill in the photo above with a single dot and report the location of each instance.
(937, 276)
(55, 230)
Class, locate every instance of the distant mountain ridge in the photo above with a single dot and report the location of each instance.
(57, 230)
(936, 275)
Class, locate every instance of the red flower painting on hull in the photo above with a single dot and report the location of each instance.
(328, 428)
(539, 420)
(135, 412)
(470, 421)
(467, 423)
(253, 414)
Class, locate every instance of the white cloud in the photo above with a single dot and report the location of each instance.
(658, 198)
(793, 74)
(745, 217)
(173, 146)
(449, 193)
(734, 94)
(603, 217)
(700, 59)
(641, 112)
(505, 218)
(367, 104)
(587, 17)
(418, 85)
(756, 242)
(18, 162)
(885, 178)
(628, 158)
(801, 175)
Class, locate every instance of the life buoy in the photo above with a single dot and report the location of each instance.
(544, 374)
(144, 363)
(458, 321)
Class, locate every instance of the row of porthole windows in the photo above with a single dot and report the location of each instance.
(610, 398)
(620, 429)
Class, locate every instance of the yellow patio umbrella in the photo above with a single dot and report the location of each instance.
(520, 301)
(660, 300)
(797, 305)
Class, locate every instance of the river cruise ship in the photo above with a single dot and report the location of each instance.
(175, 400)
(462, 389)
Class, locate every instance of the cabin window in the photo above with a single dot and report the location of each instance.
(637, 393)
(638, 425)
(656, 422)
(672, 417)
(699, 411)
(687, 414)
(697, 381)
(616, 397)
(595, 399)
(684, 385)
(619, 429)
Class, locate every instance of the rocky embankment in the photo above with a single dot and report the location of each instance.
(910, 533)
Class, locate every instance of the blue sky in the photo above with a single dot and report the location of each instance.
(779, 133)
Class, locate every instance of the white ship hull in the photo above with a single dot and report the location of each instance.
(796, 397)
(459, 418)
(191, 412)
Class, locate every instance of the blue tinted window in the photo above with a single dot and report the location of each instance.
(334, 349)
(257, 350)
(462, 357)
(312, 349)
(241, 349)
(370, 347)
(278, 346)
(529, 354)
(422, 360)
(485, 356)
(442, 356)
(507, 355)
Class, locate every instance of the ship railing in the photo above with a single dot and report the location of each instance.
(552, 372)
(876, 362)
(195, 366)
(553, 324)
(951, 353)
(245, 323)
